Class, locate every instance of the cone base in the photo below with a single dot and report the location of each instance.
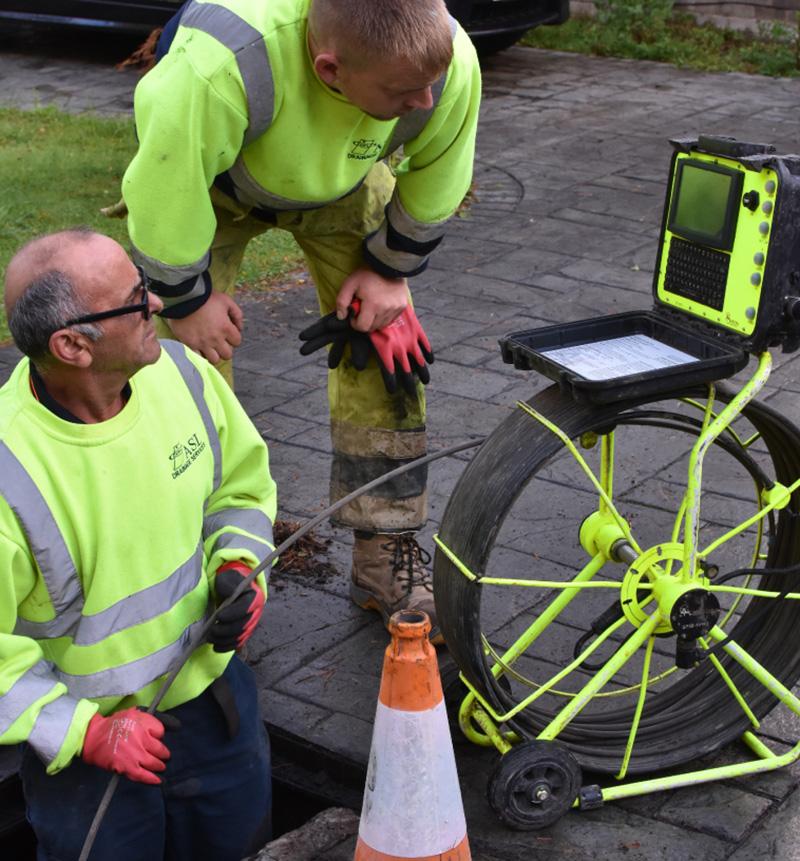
(457, 853)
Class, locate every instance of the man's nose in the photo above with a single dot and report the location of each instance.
(154, 303)
(422, 99)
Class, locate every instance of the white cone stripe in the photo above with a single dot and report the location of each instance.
(412, 800)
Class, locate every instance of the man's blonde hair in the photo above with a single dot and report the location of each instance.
(364, 32)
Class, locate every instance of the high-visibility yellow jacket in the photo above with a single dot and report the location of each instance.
(237, 103)
(110, 536)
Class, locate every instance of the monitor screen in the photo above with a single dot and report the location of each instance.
(704, 203)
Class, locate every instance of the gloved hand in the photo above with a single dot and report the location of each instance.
(402, 348)
(127, 742)
(235, 623)
(338, 333)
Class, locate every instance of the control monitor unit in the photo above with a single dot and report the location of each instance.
(726, 282)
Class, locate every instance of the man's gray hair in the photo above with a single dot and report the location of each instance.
(369, 31)
(49, 301)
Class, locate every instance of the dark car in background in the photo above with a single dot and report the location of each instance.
(492, 24)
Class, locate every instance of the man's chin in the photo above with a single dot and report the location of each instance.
(386, 118)
(152, 348)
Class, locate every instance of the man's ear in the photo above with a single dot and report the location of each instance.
(71, 348)
(327, 66)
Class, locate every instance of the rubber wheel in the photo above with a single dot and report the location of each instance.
(517, 512)
(534, 785)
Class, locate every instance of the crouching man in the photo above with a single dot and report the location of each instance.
(134, 495)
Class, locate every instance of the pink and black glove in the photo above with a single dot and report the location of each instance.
(128, 743)
(402, 348)
(338, 333)
(234, 625)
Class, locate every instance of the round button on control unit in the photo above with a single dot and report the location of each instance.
(758, 258)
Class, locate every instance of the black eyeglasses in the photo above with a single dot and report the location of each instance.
(142, 307)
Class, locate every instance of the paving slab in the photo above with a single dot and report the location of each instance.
(572, 156)
(776, 838)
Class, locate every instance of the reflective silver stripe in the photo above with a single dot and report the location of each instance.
(45, 541)
(194, 382)
(407, 225)
(411, 124)
(165, 273)
(198, 289)
(142, 606)
(250, 51)
(31, 686)
(51, 727)
(403, 223)
(128, 678)
(402, 262)
(247, 519)
(259, 549)
(132, 610)
(250, 193)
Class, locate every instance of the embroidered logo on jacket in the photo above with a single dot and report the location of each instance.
(366, 148)
(184, 454)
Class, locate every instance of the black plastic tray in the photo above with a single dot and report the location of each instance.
(711, 359)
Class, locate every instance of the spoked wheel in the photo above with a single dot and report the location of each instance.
(534, 785)
(627, 668)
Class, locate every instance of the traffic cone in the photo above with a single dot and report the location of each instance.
(412, 800)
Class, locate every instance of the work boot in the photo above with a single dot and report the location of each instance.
(390, 573)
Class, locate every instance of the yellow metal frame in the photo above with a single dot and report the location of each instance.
(651, 572)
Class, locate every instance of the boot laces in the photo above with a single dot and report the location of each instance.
(409, 562)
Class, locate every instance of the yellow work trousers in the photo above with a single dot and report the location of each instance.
(372, 431)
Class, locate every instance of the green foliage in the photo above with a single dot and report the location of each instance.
(651, 30)
(58, 170)
(644, 17)
(270, 257)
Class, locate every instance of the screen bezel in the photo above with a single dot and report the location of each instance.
(734, 199)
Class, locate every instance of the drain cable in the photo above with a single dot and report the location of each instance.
(597, 741)
(245, 584)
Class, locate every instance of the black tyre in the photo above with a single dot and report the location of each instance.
(488, 45)
(453, 692)
(534, 785)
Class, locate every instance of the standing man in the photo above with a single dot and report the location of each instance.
(280, 114)
(134, 496)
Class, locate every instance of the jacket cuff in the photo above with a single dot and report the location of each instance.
(179, 305)
(182, 289)
(400, 247)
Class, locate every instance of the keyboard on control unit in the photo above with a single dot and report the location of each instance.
(697, 273)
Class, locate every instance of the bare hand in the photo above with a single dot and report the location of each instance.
(213, 330)
(382, 299)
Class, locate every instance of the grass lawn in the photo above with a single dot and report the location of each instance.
(774, 50)
(58, 170)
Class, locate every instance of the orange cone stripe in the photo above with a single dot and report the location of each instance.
(459, 853)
